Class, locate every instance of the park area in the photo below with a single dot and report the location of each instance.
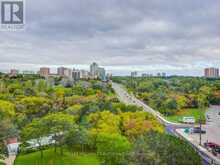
(50, 157)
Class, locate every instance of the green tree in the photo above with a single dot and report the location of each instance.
(58, 124)
(7, 110)
(134, 124)
(7, 127)
(36, 130)
(112, 148)
(77, 137)
(156, 148)
(34, 106)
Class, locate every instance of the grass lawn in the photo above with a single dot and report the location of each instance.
(187, 112)
(51, 158)
(2, 163)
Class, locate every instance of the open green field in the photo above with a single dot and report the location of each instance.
(51, 158)
(188, 112)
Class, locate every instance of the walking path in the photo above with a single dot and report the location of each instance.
(10, 160)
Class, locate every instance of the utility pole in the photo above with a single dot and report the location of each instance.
(200, 132)
(202, 106)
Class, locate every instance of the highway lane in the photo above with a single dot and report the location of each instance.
(130, 99)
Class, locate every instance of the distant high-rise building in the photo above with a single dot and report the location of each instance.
(211, 72)
(76, 74)
(45, 72)
(60, 71)
(68, 73)
(146, 75)
(94, 69)
(134, 74)
(14, 72)
(97, 72)
(158, 74)
(64, 72)
(109, 76)
(101, 74)
(84, 74)
(163, 74)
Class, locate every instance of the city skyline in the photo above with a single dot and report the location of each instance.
(115, 71)
(209, 72)
(176, 37)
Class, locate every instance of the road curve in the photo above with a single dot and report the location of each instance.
(130, 99)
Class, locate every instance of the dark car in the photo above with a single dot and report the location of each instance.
(219, 113)
(198, 130)
(211, 145)
(217, 149)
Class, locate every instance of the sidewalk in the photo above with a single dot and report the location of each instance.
(10, 160)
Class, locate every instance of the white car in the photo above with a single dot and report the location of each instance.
(189, 120)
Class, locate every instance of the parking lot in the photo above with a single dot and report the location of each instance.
(212, 126)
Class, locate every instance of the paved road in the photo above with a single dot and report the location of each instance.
(130, 99)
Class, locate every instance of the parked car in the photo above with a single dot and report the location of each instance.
(198, 130)
(217, 149)
(211, 145)
(188, 120)
(219, 113)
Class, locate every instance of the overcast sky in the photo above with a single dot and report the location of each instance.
(173, 36)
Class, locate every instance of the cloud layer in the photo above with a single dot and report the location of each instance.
(174, 36)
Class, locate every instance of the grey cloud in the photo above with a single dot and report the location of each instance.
(126, 33)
